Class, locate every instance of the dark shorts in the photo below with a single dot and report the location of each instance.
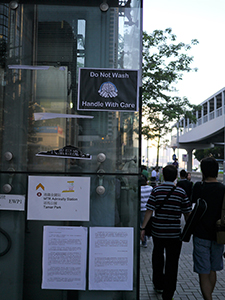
(207, 256)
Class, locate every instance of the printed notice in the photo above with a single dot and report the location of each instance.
(12, 202)
(64, 258)
(111, 258)
(58, 198)
(108, 90)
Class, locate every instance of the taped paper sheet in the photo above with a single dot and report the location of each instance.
(64, 258)
(111, 258)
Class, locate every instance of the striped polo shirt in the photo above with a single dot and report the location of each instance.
(167, 220)
(145, 193)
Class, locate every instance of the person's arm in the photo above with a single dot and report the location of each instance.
(186, 216)
(147, 217)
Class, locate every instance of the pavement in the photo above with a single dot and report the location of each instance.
(187, 283)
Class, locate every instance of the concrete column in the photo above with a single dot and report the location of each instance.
(189, 162)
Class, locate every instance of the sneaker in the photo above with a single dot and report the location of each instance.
(66, 152)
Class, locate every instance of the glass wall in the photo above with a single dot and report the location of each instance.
(42, 47)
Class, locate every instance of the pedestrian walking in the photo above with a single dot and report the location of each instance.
(145, 193)
(184, 183)
(153, 177)
(207, 253)
(175, 163)
(188, 176)
(169, 203)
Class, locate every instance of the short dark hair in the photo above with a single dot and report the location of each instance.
(143, 180)
(209, 167)
(183, 173)
(170, 173)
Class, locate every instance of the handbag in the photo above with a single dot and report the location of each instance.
(148, 227)
(220, 226)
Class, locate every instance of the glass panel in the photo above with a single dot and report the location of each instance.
(117, 207)
(42, 48)
(60, 43)
(205, 109)
(219, 100)
(129, 34)
(211, 105)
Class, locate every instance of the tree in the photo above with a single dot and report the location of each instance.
(216, 152)
(164, 63)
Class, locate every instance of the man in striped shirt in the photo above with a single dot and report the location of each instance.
(166, 228)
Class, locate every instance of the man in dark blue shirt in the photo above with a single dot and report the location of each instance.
(184, 183)
(207, 253)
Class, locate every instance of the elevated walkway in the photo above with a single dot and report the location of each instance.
(208, 129)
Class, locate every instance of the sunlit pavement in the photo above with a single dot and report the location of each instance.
(187, 284)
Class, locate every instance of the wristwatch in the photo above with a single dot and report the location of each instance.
(142, 228)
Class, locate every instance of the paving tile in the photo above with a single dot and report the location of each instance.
(187, 283)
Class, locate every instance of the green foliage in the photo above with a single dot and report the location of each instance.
(164, 63)
(217, 152)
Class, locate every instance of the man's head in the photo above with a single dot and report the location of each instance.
(209, 167)
(169, 173)
(183, 174)
(143, 181)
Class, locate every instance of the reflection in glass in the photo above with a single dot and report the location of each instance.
(63, 40)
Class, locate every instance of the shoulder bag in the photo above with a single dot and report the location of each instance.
(148, 227)
(193, 219)
(220, 226)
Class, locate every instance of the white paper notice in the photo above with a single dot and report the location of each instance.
(46, 116)
(12, 202)
(58, 198)
(111, 258)
(64, 258)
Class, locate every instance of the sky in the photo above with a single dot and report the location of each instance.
(194, 19)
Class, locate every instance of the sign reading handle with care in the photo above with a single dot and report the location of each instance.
(108, 90)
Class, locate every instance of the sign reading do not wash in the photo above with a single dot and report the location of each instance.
(108, 90)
